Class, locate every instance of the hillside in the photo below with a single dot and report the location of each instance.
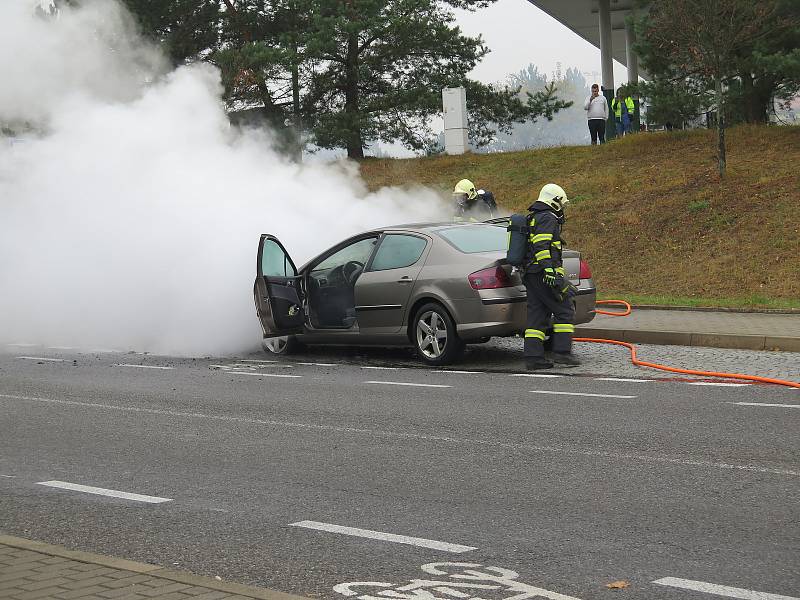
(649, 212)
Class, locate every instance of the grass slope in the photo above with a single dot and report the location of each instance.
(649, 212)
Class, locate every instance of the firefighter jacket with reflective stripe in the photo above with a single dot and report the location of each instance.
(544, 243)
(615, 104)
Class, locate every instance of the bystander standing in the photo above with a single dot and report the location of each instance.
(597, 113)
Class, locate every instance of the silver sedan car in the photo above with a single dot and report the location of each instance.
(435, 287)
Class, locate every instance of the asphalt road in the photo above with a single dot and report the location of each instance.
(572, 482)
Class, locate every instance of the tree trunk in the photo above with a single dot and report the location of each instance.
(720, 125)
(355, 147)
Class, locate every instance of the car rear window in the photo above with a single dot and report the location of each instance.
(476, 238)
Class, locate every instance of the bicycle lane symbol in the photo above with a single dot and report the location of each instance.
(456, 581)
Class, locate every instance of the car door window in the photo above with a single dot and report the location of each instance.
(275, 262)
(359, 252)
(397, 251)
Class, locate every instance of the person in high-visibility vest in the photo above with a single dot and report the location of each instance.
(623, 107)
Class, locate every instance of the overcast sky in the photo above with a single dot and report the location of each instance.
(518, 33)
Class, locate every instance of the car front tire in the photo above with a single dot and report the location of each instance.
(434, 335)
(282, 345)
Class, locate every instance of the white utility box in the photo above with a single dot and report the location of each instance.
(454, 102)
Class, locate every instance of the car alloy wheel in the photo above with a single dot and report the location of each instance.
(431, 334)
(285, 344)
(435, 335)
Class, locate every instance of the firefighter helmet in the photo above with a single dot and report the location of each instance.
(465, 186)
(554, 196)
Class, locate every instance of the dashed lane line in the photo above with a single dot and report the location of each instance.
(319, 364)
(255, 360)
(720, 590)
(539, 375)
(765, 404)
(387, 434)
(425, 385)
(88, 489)
(22, 345)
(143, 366)
(581, 394)
(459, 372)
(41, 358)
(279, 375)
(386, 537)
(384, 368)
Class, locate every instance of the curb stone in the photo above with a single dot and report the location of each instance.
(150, 570)
(685, 338)
(765, 311)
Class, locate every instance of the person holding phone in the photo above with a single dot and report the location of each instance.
(597, 113)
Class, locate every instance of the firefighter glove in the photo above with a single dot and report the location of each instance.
(550, 277)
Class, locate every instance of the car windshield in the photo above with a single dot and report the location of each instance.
(476, 238)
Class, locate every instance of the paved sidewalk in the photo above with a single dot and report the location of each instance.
(716, 329)
(35, 571)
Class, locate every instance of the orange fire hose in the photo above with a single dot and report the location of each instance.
(641, 363)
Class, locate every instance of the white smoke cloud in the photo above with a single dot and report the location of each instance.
(131, 219)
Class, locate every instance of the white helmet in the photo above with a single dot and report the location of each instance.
(554, 196)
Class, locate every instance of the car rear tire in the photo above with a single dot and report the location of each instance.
(434, 335)
(282, 345)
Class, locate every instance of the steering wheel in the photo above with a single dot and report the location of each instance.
(351, 270)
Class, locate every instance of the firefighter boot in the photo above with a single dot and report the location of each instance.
(533, 363)
(566, 359)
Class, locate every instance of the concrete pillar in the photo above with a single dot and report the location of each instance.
(633, 68)
(454, 101)
(607, 61)
(630, 56)
(606, 53)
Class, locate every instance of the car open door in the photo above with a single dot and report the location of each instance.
(277, 292)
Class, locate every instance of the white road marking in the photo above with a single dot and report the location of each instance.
(539, 375)
(313, 364)
(765, 404)
(386, 537)
(263, 374)
(718, 383)
(104, 492)
(254, 360)
(580, 394)
(459, 372)
(9, 476)
(720, 590)
(42, 359)
(61, 347)
(428, 385)
(623, 379)
(349, 431)
(22, 345)
(142, 366)
(384, 368)
(106, 350)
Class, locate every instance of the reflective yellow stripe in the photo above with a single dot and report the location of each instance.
(560, 270)
(556, 245)
(542, 254)
(534, 333)
(541, 237)
(563, 328)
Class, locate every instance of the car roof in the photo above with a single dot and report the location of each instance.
(433, 226)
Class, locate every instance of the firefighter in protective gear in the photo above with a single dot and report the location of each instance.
(469, 203)
(546, 283)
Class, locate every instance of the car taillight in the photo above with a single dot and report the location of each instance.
(489, 279)
(586, 272)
